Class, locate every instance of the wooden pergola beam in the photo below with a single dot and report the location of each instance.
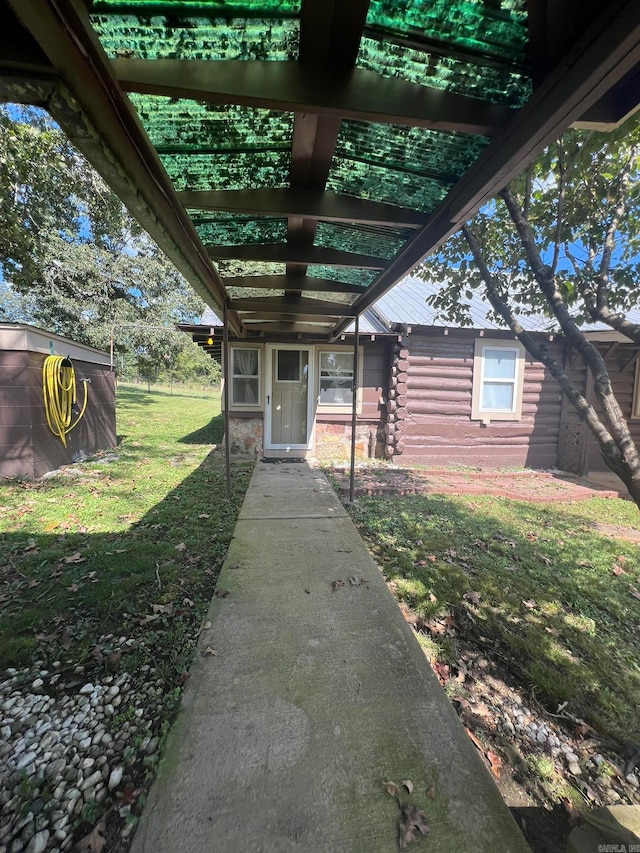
(330, 319)
(286, 253)
(317, 87)
(302, 283)
(306, 203)
(284, 305)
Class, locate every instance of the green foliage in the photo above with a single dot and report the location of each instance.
(572, 196)
(73, 261)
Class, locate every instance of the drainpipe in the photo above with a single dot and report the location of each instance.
(354, 410)
(225, 398)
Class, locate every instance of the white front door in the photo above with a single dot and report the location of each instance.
(288, 412)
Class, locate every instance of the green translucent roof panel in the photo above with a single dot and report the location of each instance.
(350, 276)
(204, 146)
(182, 126)
(378, 241)
(233, 268)
(201, 7)
(227, 171)
(497, 85)
(252, 292)
(411, 167)
(168, 37)
(223, 230)
(495, 29)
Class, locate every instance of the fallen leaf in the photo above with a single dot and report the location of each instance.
(96, 654)
(431, 793)
(574, 814)
(391, 788)
(635, 594)
(495, 763)
(432, 598)
(66, 640)
(441, 670)
(130, 795)
(464, 703)
(188, 602)
(355, 581)
(147, 619)
(166, 609)
(408, 784)
(531, 536)
(50, 527)
(472, 596)
(73, 588)
(74, 558)
(204, 515)
(474, 739)
(337, 584)
(181, 547)
(93, 842)
(412, 819)
(210, 651)
(530, 603)
(33, 584)
(113, 660)
(222, 593)
(182, 678)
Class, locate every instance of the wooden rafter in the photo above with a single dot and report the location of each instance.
(318, 88)
(287, 253)
(291, 282)
(284, 305)
(306, 203)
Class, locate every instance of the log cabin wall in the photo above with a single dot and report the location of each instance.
(429, 409)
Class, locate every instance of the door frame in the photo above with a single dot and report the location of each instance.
(268, 398)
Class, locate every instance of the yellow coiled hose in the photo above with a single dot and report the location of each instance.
(59, 392)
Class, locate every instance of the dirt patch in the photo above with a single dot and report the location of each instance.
(534, 486)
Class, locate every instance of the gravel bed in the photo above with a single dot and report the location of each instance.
(72, 743)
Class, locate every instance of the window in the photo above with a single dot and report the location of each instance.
(336, 378)
(245, 377)
(498, 377)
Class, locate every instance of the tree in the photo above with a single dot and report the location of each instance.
(561, 240)
(72, 259)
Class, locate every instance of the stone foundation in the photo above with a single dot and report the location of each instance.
(246, 436)
(333, 441)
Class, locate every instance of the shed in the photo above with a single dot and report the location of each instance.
(28, 448)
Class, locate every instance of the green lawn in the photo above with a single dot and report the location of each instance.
(535, 585)
(97, 552)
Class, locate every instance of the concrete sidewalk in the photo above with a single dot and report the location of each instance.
(315, 697)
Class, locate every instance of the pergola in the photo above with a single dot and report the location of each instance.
(296, 158)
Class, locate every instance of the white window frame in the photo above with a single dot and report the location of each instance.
(232, 375)
(488, 415)
(339, 408)
(635, 403)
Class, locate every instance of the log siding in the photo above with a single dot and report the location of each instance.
(430, 400)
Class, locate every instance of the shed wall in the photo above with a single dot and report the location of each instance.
(429, 408)
(27, 447)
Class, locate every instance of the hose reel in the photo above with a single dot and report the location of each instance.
(60, 395)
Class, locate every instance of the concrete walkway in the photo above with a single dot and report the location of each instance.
(314, 698)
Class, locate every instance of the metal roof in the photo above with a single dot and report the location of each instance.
(297, 158)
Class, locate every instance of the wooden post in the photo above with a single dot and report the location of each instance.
(354, 410)
(225, 402)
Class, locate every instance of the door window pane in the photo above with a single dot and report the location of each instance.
(288, 365)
